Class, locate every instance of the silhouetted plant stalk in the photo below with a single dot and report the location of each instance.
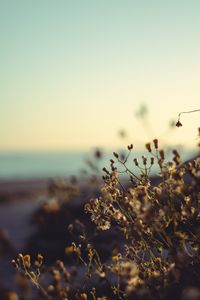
(178, 124)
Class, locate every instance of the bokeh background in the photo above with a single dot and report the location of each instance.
(76, 73)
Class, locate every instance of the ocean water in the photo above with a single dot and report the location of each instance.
(47, 164)
(61, 164)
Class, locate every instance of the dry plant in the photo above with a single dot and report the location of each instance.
(159, 256)
(178, 123)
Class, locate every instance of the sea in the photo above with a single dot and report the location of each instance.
(30, 165)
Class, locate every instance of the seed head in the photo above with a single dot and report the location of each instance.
(116, 154)
(152, 160)
(179, 124)
(130, 147)
(162, 154)
(144, 159)
(155, 141)
(148, 147)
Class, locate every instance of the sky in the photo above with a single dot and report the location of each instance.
(74, 73)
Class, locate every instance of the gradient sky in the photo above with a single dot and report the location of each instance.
(74, 72)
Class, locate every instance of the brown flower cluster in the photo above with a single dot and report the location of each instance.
(159, 225)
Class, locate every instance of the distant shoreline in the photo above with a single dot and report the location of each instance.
(21, 189)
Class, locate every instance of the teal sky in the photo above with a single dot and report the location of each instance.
(73, 72)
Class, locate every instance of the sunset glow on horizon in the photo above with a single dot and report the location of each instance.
(74, 73)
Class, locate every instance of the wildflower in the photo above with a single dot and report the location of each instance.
(83, 296)
(69, 250)
(136, 162)
(179, 124)
(98, 154)
(130, 147)
(144, 159)
(148, 147)
(152, 160)
(155, 141)
(162, 154)
(116, 154)
(104, 225)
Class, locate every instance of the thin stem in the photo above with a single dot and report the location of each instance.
(187, 112)
(128, 170)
